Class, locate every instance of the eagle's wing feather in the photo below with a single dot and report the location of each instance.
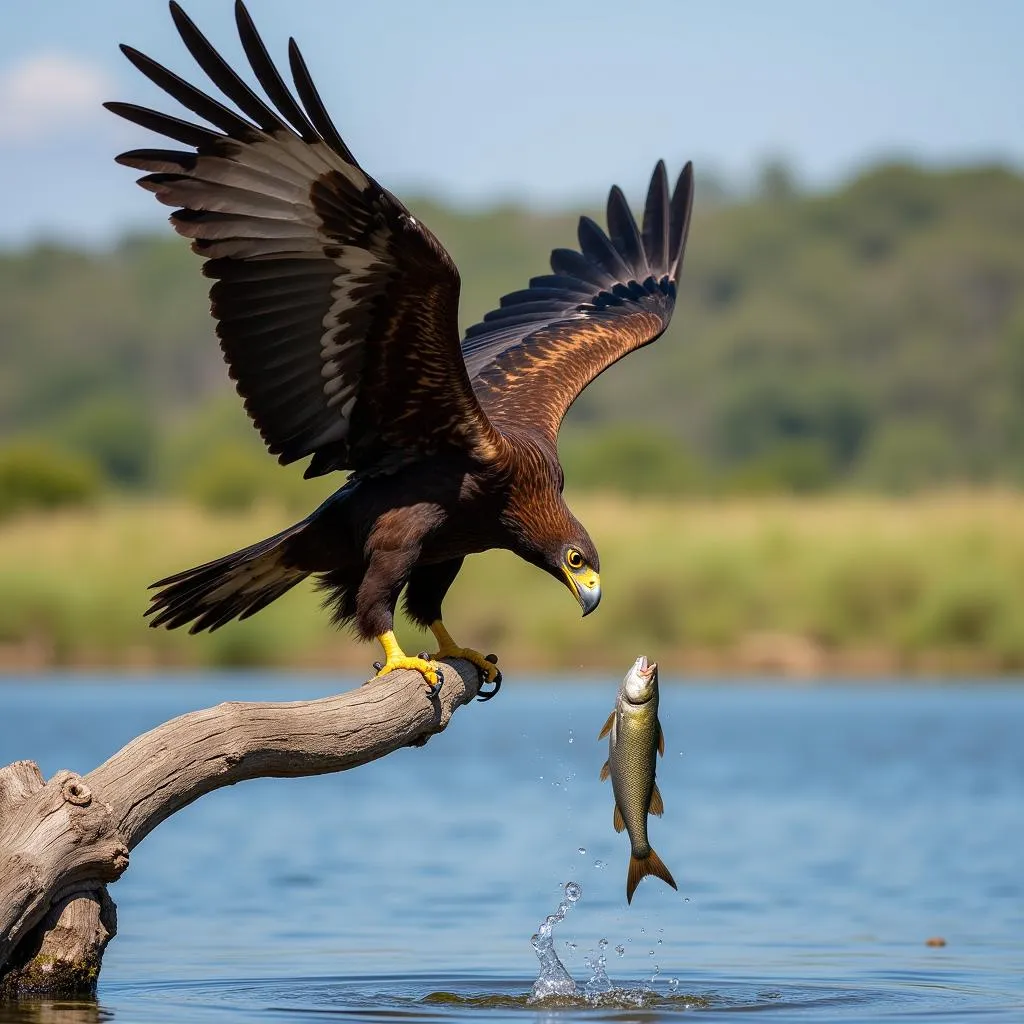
(530, 358)
(336, 310)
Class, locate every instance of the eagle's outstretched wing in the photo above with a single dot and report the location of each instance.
(337, 311)
(530, 358)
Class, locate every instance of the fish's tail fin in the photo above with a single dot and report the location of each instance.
(641, 867)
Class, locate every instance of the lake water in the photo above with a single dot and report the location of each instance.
(819, 838)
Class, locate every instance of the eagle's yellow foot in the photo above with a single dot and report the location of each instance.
(395, 658)
(485, 665)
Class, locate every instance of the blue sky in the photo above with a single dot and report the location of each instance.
(546, 102)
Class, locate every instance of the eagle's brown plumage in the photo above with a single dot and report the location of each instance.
(337, 313)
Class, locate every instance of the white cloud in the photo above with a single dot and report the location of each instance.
(46, 93)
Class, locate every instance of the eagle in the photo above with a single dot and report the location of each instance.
(337, 314)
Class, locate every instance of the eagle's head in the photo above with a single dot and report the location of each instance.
(578, 568)
(554, 540)
(542, 530)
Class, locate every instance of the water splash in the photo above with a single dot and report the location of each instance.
(554, 979)
(555, 987)
(598, 981)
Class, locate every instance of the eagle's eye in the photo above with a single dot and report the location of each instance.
(574, 559)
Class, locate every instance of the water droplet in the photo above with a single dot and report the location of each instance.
(659, 941)
(650, 952)
(599, 864)
(621, 950)
(603, 944)
(686, 899)
(673, 983)
(582, 851)
(570, 735)
(573, 891)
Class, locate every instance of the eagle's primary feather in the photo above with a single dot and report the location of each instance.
(336, 311)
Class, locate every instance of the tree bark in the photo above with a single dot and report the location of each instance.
(63, 840)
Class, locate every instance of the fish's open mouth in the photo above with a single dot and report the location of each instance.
(643, 668)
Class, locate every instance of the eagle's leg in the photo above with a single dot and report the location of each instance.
(395, 657)
(378, 592)
(428, 585)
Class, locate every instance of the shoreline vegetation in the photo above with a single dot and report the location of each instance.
(843, 585)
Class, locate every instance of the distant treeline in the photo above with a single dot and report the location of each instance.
(869, 338)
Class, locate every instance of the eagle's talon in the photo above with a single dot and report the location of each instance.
(378, 666)
(433, 691)
(485, 695)
(397, 659)
(487, 668)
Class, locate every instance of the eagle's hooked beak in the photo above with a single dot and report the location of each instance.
(585, 584)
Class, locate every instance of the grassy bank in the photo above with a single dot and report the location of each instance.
(839, 585)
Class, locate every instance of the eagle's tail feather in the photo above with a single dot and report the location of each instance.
(233, 587)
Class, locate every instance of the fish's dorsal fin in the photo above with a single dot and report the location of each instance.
(607, 727)
(656, 806)
(661, 740)
(617, 819)
(606, 770)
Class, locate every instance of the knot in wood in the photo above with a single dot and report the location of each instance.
(76, 792)
(119, 861)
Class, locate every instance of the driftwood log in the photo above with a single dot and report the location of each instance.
(63, 840)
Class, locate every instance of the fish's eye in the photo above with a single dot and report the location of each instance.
(573, 559)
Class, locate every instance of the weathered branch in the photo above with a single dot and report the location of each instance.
(61, 841)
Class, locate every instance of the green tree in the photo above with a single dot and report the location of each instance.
(118, 433)
(628, 458)
(38, 475)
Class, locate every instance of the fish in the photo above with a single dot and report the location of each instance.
(634, 741)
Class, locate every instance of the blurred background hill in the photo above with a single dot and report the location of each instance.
(870, 338)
